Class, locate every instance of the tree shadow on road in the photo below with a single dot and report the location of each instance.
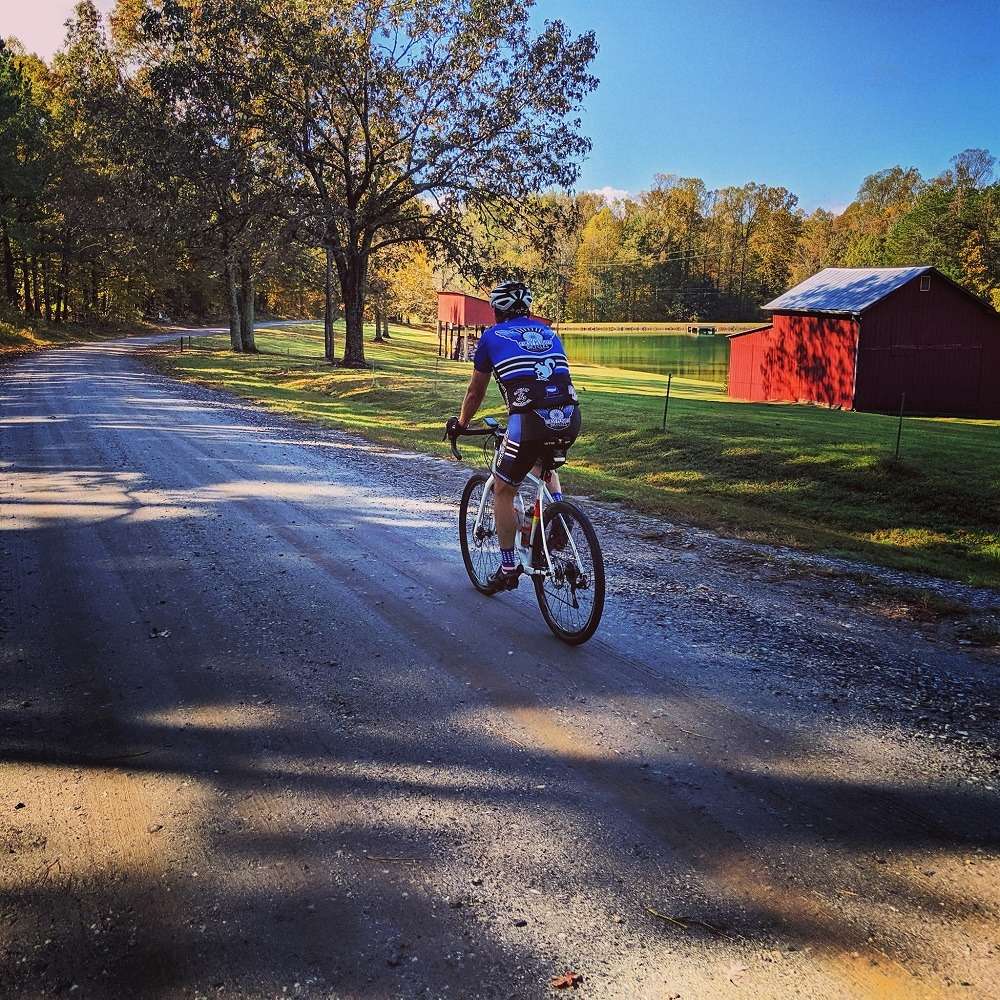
(264, 735)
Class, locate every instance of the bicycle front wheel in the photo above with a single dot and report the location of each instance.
(479, 541)
(571, 596)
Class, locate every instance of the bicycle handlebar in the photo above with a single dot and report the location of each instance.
(478, 432)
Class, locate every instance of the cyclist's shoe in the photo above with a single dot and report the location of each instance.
(504, 580)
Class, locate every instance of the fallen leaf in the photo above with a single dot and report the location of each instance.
(567, 981)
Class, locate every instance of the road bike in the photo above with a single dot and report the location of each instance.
(555, 541)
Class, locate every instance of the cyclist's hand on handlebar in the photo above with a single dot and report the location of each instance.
(453, 428)
(451, 431)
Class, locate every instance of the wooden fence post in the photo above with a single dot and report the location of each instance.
(899, 427)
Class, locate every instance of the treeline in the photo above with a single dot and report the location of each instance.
(91, 230)
(191, 157)
(680, 251)
(195, 158)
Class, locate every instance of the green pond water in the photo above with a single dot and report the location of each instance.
(704, 358)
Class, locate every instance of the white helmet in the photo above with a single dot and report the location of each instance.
(507, 297)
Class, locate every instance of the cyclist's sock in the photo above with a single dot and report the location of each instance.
(508, 560)
(557, 495)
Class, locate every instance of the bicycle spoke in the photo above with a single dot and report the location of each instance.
(569, 604)
(483, 543)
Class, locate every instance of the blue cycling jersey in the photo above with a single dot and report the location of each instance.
(528, 361)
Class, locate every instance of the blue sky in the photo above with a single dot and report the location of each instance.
(810, 95)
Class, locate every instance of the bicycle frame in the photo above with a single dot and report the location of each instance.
(542, 496)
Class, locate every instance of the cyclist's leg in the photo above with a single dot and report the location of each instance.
(556, 533)
(552, 480)
(514, 459)
(503, 511)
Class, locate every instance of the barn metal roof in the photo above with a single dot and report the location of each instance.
(844, 289)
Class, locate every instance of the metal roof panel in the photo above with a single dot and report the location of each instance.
(843, 289)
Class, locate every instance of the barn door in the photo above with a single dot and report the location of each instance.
(938, 381)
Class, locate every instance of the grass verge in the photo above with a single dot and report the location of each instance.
(798, 475)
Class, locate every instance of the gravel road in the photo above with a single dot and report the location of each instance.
(259, 737)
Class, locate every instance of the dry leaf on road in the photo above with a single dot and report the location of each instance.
(567, 981)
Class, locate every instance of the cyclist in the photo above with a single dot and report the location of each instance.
(527, 359)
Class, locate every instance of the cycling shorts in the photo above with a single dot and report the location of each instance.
(530, 435)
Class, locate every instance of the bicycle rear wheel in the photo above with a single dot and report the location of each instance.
(480, 546)
(571, 598)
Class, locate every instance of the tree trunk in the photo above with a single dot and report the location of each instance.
(29, 306)
(9, 282)
(352, 287)
(35, 290)
(385, 325)
(62, 302)
(329, 309)
(378, 322)
(246, 306)
(46, 290)
(235, 340)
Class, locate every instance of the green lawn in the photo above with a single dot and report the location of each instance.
(800, 475)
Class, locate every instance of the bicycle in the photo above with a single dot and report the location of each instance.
(557, 545)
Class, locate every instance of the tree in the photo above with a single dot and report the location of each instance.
(819, 245)
(882, 199)
(20, 127)
(403, 116)
(972, 168)
(195, 84)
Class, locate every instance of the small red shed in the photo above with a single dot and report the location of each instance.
(859, 338)
(464, 310)
(460, 309)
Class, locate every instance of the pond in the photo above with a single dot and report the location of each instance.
(703, 358)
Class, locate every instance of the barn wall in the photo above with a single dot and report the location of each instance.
(469, 310)
(464, 310)
(941, 347)
(799, 358)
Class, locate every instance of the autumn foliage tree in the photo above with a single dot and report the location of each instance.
(235, 155)
(402, 117)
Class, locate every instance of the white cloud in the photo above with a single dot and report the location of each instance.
(836, 207)
(611, 194)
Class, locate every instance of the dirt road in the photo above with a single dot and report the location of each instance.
(259, 737)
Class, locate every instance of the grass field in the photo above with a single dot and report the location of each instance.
(814, 478)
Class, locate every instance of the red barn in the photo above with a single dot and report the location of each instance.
(464, 310)
(859, 338)
(460, 309)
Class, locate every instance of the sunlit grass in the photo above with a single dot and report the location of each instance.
(805, 476)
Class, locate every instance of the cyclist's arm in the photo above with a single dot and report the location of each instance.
(474, 396)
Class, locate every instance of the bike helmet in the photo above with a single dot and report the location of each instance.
(511, 297)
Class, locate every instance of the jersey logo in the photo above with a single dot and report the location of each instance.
(557, 420)
(544, 370)
(527, 338)
(521, 396)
